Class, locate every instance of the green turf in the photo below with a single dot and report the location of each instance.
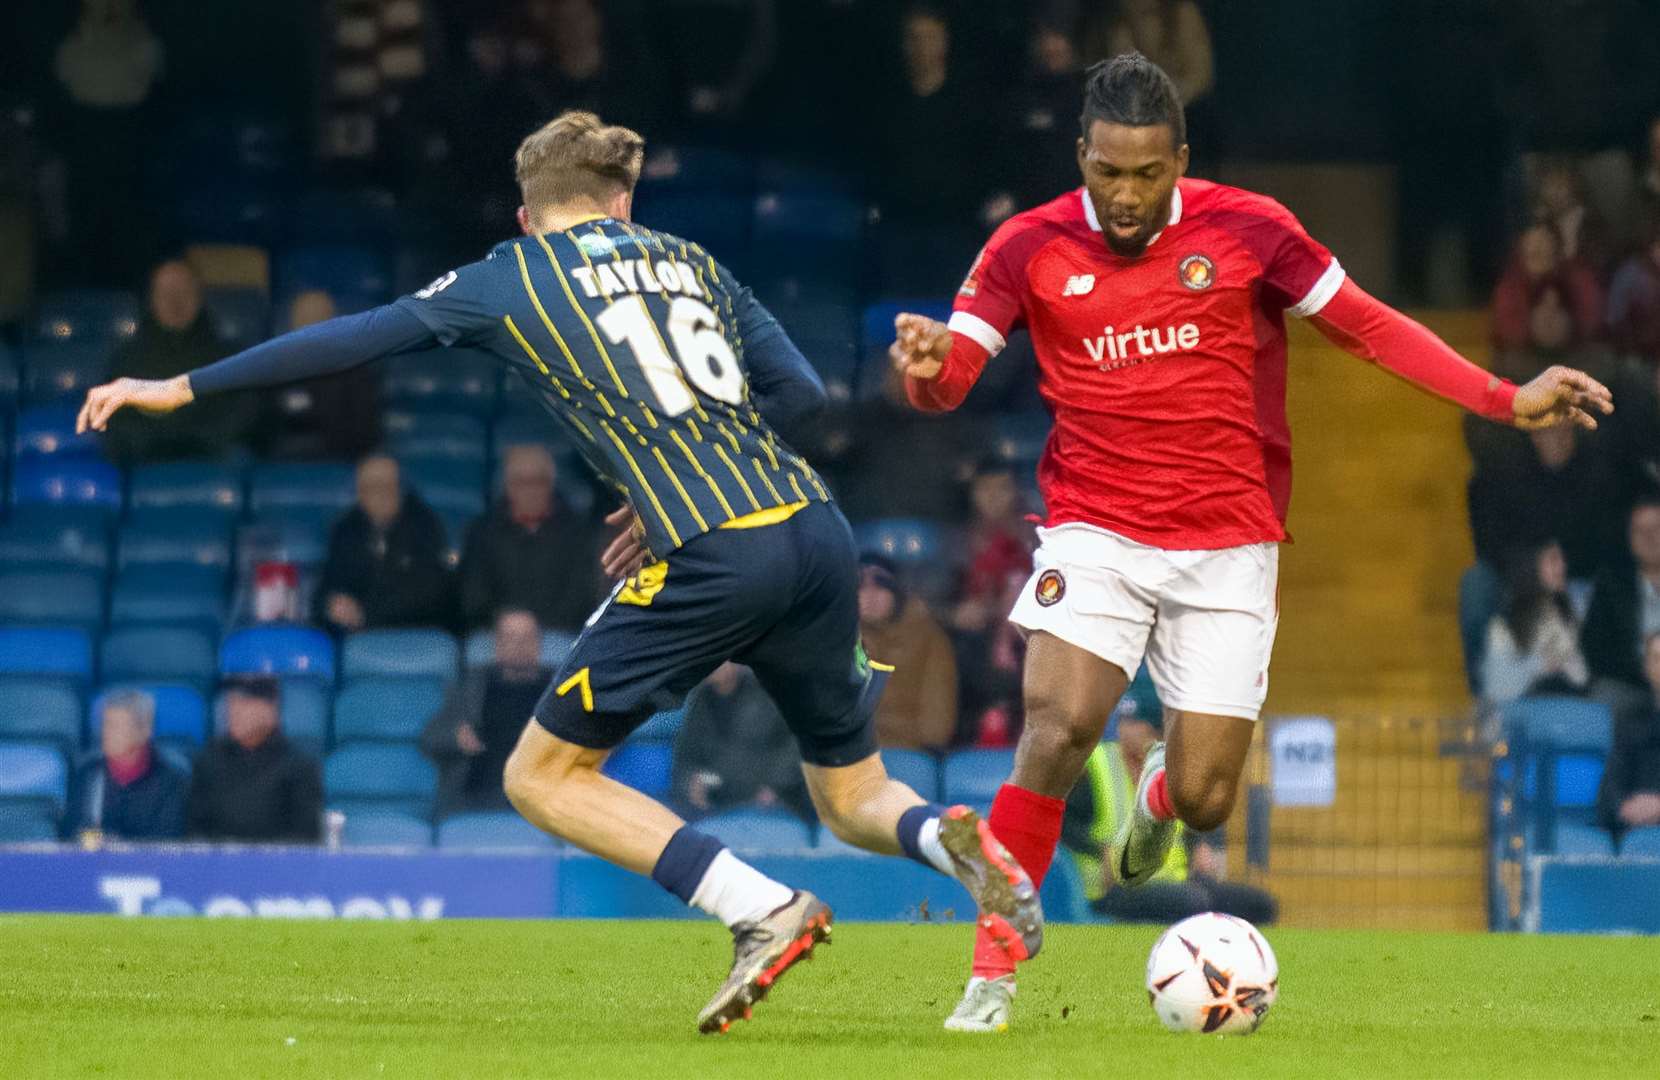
(137, 998)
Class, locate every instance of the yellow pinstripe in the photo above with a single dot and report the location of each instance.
(536, 302)
(576, 306)
(656, 504)
(738, 475)
(675, 480)
(580, 426)
(729, 437)
(762, 473)
(707, 479)
(797, 487)
(766, 445)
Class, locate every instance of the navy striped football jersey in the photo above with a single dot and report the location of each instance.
(635, 340)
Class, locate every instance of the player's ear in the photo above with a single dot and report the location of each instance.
(1082, 150)
(622, 206)
(524, 221)
(1181, 161)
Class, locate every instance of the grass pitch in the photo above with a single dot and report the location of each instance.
(138, 998)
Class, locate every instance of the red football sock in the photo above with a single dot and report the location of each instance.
(1158, 798)
(1029, 825)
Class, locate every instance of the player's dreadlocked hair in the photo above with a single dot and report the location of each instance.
(577, 156)
(1131, 90)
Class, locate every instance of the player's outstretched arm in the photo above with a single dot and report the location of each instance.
(324, 349)
(940, 367)
(1370, 329)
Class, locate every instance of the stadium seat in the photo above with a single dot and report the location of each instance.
(140, 653)
(432, 653)
(1574, 838)
(758, 829)
(328, 486)
(1578, 776)
(33, 774)
(48, 431)
(334, 216)
(973, 776)
(916, 768)
(696, 168)
(442, 380)
(449, 486)
(492, 831)
(924, 551)
(338, 269)
(1559, 723)
(57, 650)
(385, 776)
(823, 219)
(480, 650)
(301, 539)
(663, 725)
(1641, 843)
(278, 650)
(178, 485)
(67, 482)
(41, 537)
(70, 597)
(92, 315)
(717, 221)
(41, 710)
(190, 535)
(643, 764)
(241, 314)
(181, 713)
(386, 829)
(53, 372)
(305, 708)
(27, 824)
(1021, 436)
(226, 212)
(385, 709)
(449, 437)
(170, 593)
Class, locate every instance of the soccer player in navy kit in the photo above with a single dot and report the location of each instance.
(668, 375)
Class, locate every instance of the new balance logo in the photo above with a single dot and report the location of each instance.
(1079, 285)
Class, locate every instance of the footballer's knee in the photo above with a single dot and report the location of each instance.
(542, 768)
(1203, 797)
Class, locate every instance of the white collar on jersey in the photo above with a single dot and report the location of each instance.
(1095, 222)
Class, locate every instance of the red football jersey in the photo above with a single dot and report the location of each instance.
(1165, 373)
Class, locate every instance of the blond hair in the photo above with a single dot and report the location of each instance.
(577, 156)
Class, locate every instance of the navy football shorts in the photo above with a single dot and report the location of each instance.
(781, 599)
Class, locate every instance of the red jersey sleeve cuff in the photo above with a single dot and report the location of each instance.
(1501, 400)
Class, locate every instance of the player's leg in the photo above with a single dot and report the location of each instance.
(1204, 757)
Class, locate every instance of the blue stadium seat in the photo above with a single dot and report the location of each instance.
(190, 535)
(48, 431)
(177, 485)
(299, 539)
(907, 541)
(492, 831)
(442, 380)
(821, 218)
(643, 764)
(242, 313)
(68, 482)
(339, 269)
(41, 710)
(385, 709)
(278, 487)
(54, 536)
(101, 315)
(1577, 778)
(448, 486)
(695, 169)
(335, 216)
(916, 768)
(973, 776)
(1559, 723)
(181, 713)
(386, 829)
(35, 774)
(70, 597)
(1574, 838)
(663, 725)
(436, 436)
(480, 649)
(1021, 436)
(432, 653)
(384, 776)
(56, 650)
(54, 372)
(278, 650)
(24, 824)
(305, 714)
(142, 653)
(717, 221)
(171, 593)
(226, 212)
(1641, 843)
(758, 829)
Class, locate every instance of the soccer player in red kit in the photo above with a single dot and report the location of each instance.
(1156, 306)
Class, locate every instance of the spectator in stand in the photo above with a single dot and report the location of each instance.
(1036, 117)
(249, 784)
(718, 52)
(583, 70)
(919, 708)
(1191, 880)
(735, 750)
(1630, 794)
(470, 738)
(1533, 646)
(329, 418)
(989, 648)
(1625, 611)
(1537, 264)
(1581, 234)
(1171, 33)
(386, 561)
(129, 790)
(174, 335)
(1634, 301)
(531, 550)
(1530, 488)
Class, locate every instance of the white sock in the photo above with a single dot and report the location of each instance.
(928, 842)
(734, 891)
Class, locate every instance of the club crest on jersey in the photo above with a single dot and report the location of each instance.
(1050, 588)
(1197, 272)
(1079, 285)
(596, 245)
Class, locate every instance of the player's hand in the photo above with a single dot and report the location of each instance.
(626, 552)
(919, 346)
(157, 396)
(1561, 395)
(345, 612)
